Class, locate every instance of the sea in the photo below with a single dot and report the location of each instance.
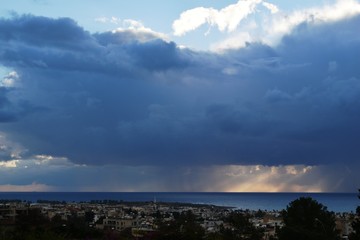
(336, 202)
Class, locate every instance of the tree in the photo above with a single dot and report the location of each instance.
(356, 224)
(31, 221)
(306, 219)
(185, 227)
(242, 227)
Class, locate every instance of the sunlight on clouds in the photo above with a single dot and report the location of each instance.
(9, 164)
(133, 26)
(143, 33)
(291, 170)
(50, 160)
(39, 161)
(8, 149)
(34, 187)
(219, 178)
(10, 80)
(261, 178)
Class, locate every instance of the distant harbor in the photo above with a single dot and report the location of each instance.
(337, 202)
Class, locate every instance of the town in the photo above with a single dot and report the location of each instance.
(109, 219)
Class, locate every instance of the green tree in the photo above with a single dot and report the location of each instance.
(30, 222)
(242, 227)
(77, 228)
(356, 224)
(185, 227)
(306, 219)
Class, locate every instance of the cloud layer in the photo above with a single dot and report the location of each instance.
(132, 98)
(225, 19)
(46, 173)
(257, 21)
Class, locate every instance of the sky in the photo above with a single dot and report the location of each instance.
(215, 96)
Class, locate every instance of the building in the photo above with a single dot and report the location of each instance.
(119, 224)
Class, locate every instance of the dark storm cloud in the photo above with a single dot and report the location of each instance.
(121, 97)
(6, 114)
(11, 111)
(61, 33)
(156, 55)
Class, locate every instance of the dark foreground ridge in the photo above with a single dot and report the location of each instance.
(303, 219)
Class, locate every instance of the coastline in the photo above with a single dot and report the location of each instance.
(337, 202)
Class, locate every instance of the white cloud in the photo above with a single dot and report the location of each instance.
(239, 40)
(284, 23)
(113, 20)
(133, 26)
(226, 19)
(270, 26)
(342, 9)
(138, 28)
(191, 20)
(273, 8)
(10, 80)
